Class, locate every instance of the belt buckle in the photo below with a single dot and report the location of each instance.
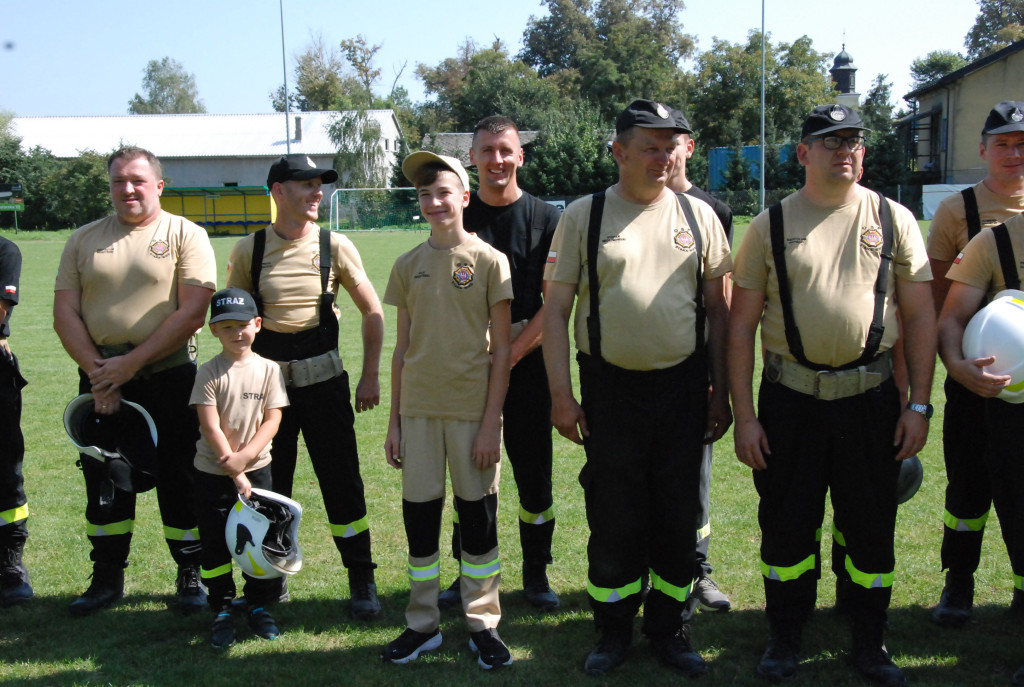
(773, 369)
(820, 388)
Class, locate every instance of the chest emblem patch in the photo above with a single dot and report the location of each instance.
(159, 248)
(316, 262)
(462, 277)
(871, 237)
(683, 240)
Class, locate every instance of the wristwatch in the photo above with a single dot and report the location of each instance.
(925, 409)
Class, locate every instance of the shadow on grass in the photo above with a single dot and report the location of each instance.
(140, 642)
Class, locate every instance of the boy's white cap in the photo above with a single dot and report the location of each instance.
(412, 164)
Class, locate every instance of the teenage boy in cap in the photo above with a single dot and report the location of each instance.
(295, 269)
(836, 424)
(705, 589)
(659, 260)
(131, 291)
(520, 225)
(452, 293)
(960, 217)
(238, 396)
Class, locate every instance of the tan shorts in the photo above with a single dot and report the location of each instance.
(429, 443)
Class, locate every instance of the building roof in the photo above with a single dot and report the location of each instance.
(188, 135)
(968, 69)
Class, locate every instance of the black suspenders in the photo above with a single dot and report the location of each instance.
(1007, 261)
(875, 331)
(593, 241)
(973, 215)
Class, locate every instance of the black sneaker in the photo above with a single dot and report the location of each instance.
(710, 596)
(954, 608)
(409, 645)
(191, 593)
(779, 661)
(262, 624)
(224, 634)
(609, 654)
(675, 650)
(451, 597)
(876, 665)
(491, 651)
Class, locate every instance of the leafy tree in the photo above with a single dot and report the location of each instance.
(361, 160)
(998, 24)
(169, 90)
(885, 167)
(360, 57)
(934, 66)
(10, 149)
(571, 155)
(322, 81)
(725, 95)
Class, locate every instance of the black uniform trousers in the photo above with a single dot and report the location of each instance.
(640, 484)
(165, 396)
(215, 496)
(843, 447)
(12, 454)
(1005, 459)
(526, 431)
(704, 568)
(323, 413)
(969, 490)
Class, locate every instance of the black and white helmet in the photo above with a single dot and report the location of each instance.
(262, 534)
(125, 441)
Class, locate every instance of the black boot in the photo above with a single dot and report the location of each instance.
(782, 654)
(14, 584)
(954, 608)
(363, 594)
(870, 656)
(107, 587)
(536, 588)
(191, 594)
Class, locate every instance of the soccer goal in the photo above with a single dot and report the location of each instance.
(370, 209)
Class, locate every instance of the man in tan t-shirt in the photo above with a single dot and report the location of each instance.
(829, 417)
(131, 292)
(300, 331)
(959, 217)
(644, 411)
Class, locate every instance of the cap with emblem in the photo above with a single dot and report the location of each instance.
(412, 164)
(825, 119)
(232, 304)
(298, 167)
(648, 114)
(1005, 117)
(680, 119)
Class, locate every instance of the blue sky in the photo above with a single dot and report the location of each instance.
(75, 57)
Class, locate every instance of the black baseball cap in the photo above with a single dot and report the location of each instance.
(680, 119)
(232, 304)
(647, 114)
(825, 119)
(298, 167)
(1005, 117)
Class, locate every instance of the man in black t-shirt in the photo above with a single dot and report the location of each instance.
(521, 227)
(705, 589)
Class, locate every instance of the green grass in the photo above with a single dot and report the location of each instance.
(141, 642)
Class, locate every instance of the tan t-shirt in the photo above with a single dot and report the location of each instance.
(947, 235)
(290, 279)
(129, 276)
(978, 264)
(242, 392)
(832, 257)
(449, 295)
(647, 263)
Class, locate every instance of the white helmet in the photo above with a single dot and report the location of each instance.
(998, 330)
(262, 534)
(125, 441)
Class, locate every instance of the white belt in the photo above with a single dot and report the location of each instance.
(309, 371)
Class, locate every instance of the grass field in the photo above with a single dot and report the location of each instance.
(140, 642)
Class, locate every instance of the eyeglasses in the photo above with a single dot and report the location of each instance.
(854, 143)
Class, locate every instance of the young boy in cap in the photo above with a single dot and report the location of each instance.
(238, 396)
(451, 292)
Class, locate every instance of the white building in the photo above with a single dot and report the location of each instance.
(203, 150)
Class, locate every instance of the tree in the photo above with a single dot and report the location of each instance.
(322, 81)
(361, 160)
(360, 57)
(934, 66)
(999, 23)
(885, 166)
(571, 155)
(169, 90)
(10, 148)
(725, 95)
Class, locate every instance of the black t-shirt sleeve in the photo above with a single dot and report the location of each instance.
(10, 276)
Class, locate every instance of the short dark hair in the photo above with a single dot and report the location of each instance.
(128, 153)
(428, 173)
(494, 124)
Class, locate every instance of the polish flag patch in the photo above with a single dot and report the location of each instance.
(958, 259)
(11, 289)
(552, 255)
